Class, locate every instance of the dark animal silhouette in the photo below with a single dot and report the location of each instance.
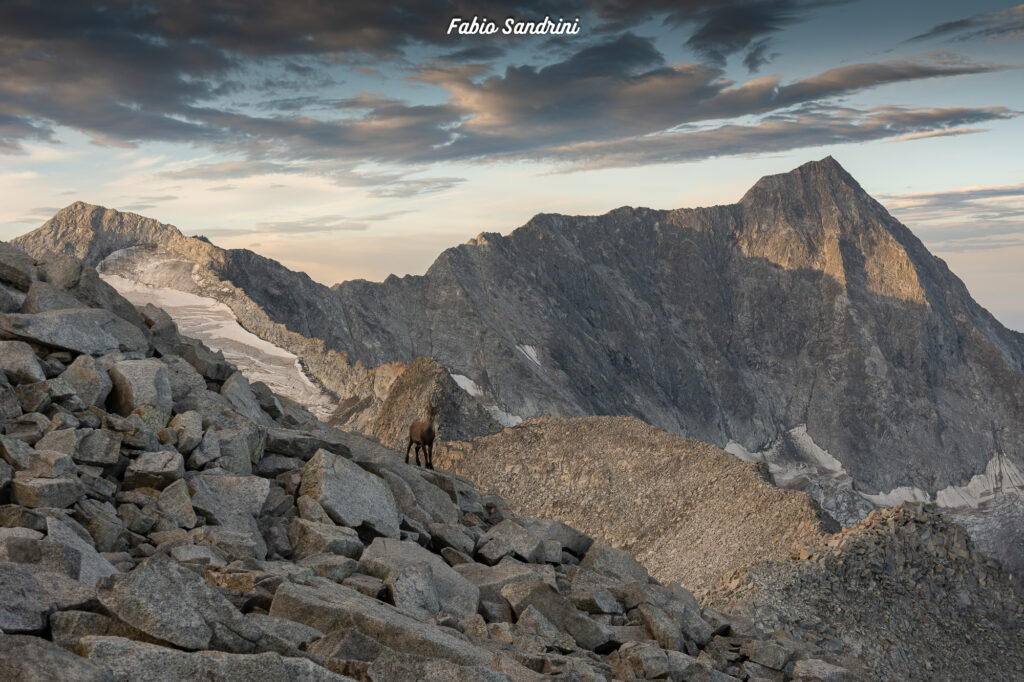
(421, 434)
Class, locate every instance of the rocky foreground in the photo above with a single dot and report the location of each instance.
(163, 519)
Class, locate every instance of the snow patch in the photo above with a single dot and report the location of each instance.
(214, 324)
(468, 385)
(1001, 476)
(472, 388)
(530, 352)
(502, 417)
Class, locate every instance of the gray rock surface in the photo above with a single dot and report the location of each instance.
(419, 579)
(140, 383)
(33, 659)
(92, 331)
(350, 495)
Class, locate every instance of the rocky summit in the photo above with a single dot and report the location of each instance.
(802, 326)
(162, 518)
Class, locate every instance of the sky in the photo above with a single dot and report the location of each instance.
(355, 140)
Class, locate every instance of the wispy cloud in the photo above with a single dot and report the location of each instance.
(307, 226)
(937, 133)
(1007, 23)
(965, 219)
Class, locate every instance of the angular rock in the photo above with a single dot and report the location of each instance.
(588, 633)
(188, 429)
(154, 470)
(661, 627)
(302, 444)
(490, 579)
(17, 268)
(29, 596)
(48, 464)
(10, 406)
(33, 659)
(403, 568)
(567, 537)
(91, 382)
(19, 363)
(60, 440)
(15, 452)
(43, 296)
(614, 562)
(140, 383)
(139, 661)
(99, 447)
(68, 627)
(350, 495)
(328, 607)
(330, 566)
(509, 538)
(183, 376)
(309, 538)
(93, 567)
(92, 331)
(297, 634)
(173, 604)
(175, 501)
(267, 399)
(816, 670)
(47, 492)
(769, 654)
(242, 400)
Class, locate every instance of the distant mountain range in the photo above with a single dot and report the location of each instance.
(803, 326)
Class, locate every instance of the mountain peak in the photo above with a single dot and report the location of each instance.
(91, 233)
(824, 179)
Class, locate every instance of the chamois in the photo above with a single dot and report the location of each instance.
(422, 435)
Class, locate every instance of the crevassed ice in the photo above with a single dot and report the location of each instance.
(213, 323)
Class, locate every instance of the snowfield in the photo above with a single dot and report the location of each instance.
(214, 324)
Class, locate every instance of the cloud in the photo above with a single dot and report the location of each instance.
(937, 133)
(408, 188)
(727, 28)
(1007, 23)
(622, 90)
(757, 56)
(309, 225)
(128, 73)
(965, 219)
(780, 132)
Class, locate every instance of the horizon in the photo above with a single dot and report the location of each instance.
(354, 143)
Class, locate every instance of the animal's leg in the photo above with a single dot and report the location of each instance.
(428, 455)
(407, 451)
(418, 446)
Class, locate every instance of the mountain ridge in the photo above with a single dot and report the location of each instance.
(803, 326)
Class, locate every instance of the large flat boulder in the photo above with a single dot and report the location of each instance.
(89, 330)
(327, 606)
(24, 658)
(28, 596)
(350, 495)
(173, 604)
(131, 661)
(419, 580)
(156, 469)
(309, 538)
